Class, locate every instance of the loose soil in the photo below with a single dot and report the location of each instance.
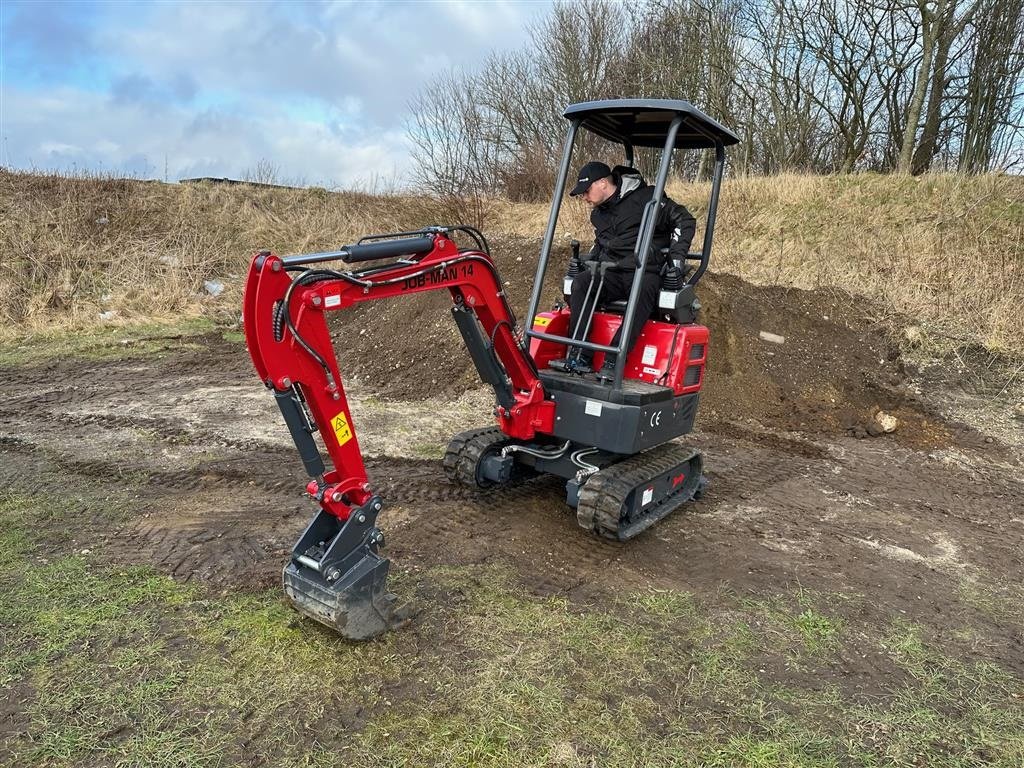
(834, 368)
(798, 495)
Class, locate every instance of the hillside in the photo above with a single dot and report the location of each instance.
(942, 255)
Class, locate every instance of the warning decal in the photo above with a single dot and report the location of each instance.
(541, 321)
(342, 431)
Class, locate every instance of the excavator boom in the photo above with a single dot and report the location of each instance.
(336, 574)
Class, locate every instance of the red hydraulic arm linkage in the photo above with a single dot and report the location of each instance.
(336, 574)
(288, 340)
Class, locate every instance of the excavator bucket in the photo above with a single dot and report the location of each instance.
(358, 606)
(336, 575)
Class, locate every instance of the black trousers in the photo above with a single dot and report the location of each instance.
(616, 287)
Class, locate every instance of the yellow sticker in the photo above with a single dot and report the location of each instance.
(342, 431)
(541, 321)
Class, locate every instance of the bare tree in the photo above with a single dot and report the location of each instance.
(994, 94)
(451, 135)
(809, 85)
(683, 48)
(778, 77)
(848, 39)
(264, 172)
(949, 28)
(930, 13)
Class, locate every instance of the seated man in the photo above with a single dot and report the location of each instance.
(618, 201)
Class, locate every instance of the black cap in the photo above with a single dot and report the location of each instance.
(590, 173)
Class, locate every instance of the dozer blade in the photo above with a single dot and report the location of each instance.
(337, 577)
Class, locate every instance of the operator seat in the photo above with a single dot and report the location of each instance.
(661, 312)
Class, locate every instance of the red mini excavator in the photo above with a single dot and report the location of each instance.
(610, 438)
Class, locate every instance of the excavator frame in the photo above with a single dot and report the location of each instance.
(610, 440)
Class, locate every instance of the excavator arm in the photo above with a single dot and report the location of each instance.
(336, 574)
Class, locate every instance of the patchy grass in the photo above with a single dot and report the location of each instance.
(1002, 601)
(951, 715)
(137, 339)
(123, 666)
(816, 630)
(427, 450)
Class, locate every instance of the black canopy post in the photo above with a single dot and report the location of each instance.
(709, 225)
(643, 246)
(549, 235)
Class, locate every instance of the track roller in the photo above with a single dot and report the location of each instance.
(473, 459)
(621, 500)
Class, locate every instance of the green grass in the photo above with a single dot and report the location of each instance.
(427, 450)
(123, 666)
(101, 342)
(817, 631)
(955, 712)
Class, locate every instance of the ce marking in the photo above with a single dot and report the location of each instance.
(656, 419)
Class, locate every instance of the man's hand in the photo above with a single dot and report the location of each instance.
(683, 228)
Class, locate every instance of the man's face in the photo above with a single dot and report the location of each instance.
(599, 191)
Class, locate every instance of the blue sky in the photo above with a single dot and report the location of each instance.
(317, 89)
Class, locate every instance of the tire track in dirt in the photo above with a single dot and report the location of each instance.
(432, 520)
(784, 508)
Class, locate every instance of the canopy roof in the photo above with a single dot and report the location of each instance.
(645, 123)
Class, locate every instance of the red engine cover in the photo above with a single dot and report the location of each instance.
(667, 354)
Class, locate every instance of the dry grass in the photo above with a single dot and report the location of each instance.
(942, 253)
(72, 247)
(945, 251)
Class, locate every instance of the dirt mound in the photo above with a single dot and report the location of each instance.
(410, 348)
(810, 361)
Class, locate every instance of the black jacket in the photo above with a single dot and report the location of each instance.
(617, 224)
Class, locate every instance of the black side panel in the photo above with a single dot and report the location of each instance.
(624, 429)
(633, 392)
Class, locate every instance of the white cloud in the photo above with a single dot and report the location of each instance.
(319, 89)
(134, 139)
(57, 148)
(378, 52)
(484, 19)
(107, 147)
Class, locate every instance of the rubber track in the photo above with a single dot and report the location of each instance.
(601, 499)
(465, 451)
